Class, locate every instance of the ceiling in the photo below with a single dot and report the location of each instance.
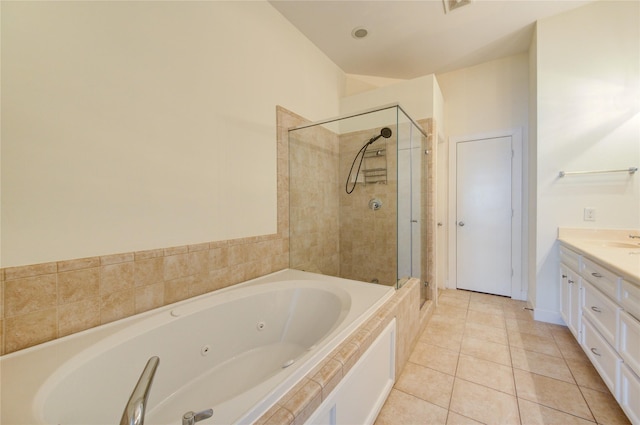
(408, 39)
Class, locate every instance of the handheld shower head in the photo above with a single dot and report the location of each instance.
(385, 132)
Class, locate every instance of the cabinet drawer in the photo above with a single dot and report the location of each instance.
(570, 258)
(630, 298)
(629, 341)
(630, 394)
(603, 357)
(602, 312)
(601, 278)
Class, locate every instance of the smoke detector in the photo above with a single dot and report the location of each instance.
(450, 5)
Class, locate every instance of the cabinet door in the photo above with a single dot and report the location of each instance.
(603, 357)
(565, 295)
(629, 346)
(602, 312)
(575, 286)
(630, 394)
(570, 299)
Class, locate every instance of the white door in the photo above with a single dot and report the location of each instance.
(483, 215)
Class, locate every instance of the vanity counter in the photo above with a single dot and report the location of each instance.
(613, 249)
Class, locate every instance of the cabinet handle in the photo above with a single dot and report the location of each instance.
(596, 309)
(596, 274)
(594, 351)
(571, 281)
(564, 276)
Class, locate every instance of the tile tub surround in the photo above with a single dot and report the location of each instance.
(52, 300)
(297, 405)
(42, 302)
(480, 350)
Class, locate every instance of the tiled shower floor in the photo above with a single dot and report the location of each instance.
(483, 359)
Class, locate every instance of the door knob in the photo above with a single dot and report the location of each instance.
(461, 223)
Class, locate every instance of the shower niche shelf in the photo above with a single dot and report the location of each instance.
(375, 166)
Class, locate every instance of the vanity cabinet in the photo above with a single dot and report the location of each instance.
(602, 310)
(571, 291)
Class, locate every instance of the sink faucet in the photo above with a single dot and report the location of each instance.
(190, 418)
(134, 411)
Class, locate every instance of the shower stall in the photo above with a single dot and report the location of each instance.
(360, 189)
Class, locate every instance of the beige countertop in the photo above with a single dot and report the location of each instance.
(611, 248)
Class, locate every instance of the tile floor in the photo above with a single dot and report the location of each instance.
(483, 359)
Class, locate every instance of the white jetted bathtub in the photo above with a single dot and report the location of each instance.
(236, 351)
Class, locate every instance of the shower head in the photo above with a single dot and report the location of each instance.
(385, 132)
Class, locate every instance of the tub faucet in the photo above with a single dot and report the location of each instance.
(190, 418)
(634, 236)
(134, 411)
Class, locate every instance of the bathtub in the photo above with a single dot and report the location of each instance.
(236, 350)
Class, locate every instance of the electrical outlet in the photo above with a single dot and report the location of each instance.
(589, 214)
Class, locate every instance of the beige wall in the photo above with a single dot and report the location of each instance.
(130, 126)
(588, 118)
(487, 98)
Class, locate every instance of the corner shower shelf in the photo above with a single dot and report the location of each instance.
(375, 170)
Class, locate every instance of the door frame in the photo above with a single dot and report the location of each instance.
(517, 290)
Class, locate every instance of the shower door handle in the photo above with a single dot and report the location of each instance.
(461, 223)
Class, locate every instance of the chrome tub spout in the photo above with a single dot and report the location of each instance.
(134, 411)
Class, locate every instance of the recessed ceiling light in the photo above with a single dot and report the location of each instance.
(359, 32)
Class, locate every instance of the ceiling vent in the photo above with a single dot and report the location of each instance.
(450, 5)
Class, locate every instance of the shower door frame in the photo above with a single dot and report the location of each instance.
(406, 118)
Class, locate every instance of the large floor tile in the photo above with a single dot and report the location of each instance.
(571, 350)
(453, 302)
(435, 357)
(542, 364)
(427, 384)
(529, 327)
(529, 342)
(487, 373)
(537, 414)
(456, 419)
(486, 350)
(442, 338)
(452, 312)
(481, 307)
(488, 319)
(586, 375)
(486, 333)
(402, 408)
(455, 293)
(604, 407)
(483, 404)
(552, 393)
